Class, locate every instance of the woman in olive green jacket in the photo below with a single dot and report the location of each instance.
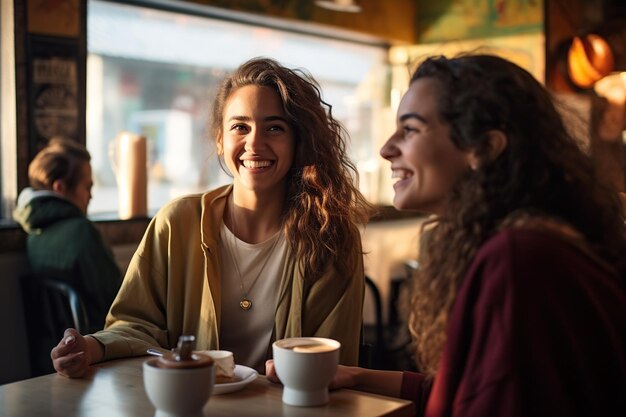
(276, 254)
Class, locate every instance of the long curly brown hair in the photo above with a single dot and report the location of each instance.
(323, 206)
(542, 170)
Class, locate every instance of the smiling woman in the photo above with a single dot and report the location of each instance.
(275, 254)
(521, 279)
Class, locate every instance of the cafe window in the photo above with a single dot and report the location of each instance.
(155, 73)
(8, 152)
(2, 48)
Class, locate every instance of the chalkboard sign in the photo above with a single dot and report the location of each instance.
(56, 90)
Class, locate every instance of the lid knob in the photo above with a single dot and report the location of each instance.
(183, 357)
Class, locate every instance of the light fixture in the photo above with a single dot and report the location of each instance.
(589, 58)
(348, 6)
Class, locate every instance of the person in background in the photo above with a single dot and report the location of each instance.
(275, 254)
(519, 305)
(62, 242)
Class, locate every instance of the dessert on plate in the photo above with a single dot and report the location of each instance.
(224, 363)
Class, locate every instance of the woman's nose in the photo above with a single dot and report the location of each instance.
(254, 140)
(389, 149)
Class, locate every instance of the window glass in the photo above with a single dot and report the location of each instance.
(155, 73)
(2, 48)
(8, 143)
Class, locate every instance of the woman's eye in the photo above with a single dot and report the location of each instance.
(408, 130)
(276, 128)
(239, 128)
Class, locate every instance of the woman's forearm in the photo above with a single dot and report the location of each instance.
(387, 383)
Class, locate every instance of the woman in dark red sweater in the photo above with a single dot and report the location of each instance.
(519, 308)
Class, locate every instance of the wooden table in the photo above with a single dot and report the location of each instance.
(115, 388)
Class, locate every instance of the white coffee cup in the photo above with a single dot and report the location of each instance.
(306, 366)
(178, 392)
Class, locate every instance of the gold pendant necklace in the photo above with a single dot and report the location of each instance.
(245, 303)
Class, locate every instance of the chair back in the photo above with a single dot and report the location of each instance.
(370, 354)
(51, 305)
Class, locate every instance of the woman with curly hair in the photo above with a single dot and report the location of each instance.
(519, 306)
(275, 254)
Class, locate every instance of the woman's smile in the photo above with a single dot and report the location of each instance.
(256, 165)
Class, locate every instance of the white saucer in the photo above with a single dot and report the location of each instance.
(245, 374)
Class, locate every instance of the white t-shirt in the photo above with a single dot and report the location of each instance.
(247, 333)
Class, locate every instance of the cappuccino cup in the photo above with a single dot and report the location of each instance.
(306, 366)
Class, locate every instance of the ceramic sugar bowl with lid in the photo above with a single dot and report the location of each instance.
(180, 382)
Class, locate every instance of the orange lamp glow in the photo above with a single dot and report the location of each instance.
(588, 60)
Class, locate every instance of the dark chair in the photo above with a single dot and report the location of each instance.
(399, 347)
(365, 353)
(392, 347)
(51, 305)
(379, 344)
(370, 354)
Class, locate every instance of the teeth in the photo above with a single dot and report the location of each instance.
(401, 174)
(255, 164)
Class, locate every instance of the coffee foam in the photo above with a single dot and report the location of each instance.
(313, 348)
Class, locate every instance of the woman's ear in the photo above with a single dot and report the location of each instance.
(472, 160)
(497, 143)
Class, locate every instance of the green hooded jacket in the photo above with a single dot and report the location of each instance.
(62, 242)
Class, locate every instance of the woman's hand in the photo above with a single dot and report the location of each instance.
(379, 382)
(74, 353)
(344, 378)
(270, 371)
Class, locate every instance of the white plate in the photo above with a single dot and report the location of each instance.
(244, 373)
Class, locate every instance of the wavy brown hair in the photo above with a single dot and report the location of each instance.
(323, 206)
(541, 171)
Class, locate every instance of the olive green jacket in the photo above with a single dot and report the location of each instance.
(173, 287)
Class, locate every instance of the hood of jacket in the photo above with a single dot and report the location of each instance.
(38, 209)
